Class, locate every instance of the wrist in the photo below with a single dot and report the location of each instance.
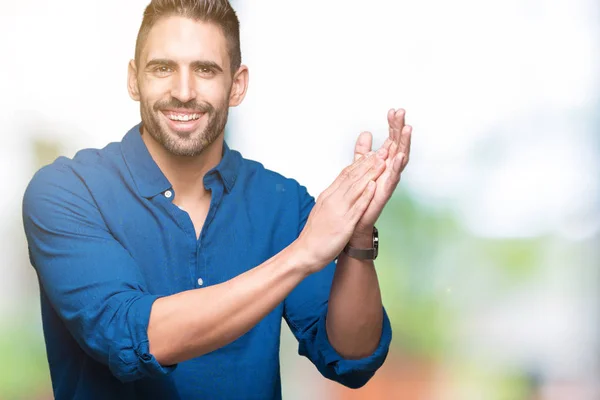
(362, 238)
(304, 260)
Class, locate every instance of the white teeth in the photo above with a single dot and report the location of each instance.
(184, 118)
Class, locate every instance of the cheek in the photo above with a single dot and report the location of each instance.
(154, 90)
(215, 91)
(146, 102)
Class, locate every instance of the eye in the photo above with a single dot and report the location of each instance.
(205, 71)
(163, 70)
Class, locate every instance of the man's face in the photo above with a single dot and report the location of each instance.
(184, 83)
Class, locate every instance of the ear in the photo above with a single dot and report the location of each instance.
(239, 86)
(132, 83)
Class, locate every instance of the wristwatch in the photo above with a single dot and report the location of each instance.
(364, 254)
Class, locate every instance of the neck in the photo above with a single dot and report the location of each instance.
(186, 174)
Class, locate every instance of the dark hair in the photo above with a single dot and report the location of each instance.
(218, 12)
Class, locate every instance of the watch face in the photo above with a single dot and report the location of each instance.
(375, 242)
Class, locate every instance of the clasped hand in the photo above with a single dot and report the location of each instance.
(347, 210)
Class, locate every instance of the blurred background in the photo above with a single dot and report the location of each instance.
(489, 248)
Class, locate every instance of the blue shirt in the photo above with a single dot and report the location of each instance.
(106, 241)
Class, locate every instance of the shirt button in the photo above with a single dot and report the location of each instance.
(200, 282)
(168, 194)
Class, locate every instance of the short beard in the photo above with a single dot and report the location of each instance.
(193, 144)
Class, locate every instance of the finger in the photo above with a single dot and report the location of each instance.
(407, 135)
(382, 153)
(393, 151)
(356, 187)
(396, 123)
(400, 121)
(394, 174)
(397, 168)
(405, 139)
(363, 145)
(391, 117)
(367, 160)
(398, 163)
(360, 206)
(359, 167)
(388, 142)
(371, 167)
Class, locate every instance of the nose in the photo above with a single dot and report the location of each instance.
(183, 87)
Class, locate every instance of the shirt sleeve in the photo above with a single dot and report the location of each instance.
(91, 281)
(305, 311)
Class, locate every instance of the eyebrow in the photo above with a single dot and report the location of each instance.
(195, 64)
(161, 61)
(207, 64)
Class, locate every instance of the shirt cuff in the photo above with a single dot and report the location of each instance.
(131, 360)
(367, 365)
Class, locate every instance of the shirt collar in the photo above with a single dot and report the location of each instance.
(229, 167)
(148, 177)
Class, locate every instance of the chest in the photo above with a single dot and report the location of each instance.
(197, 214)
(181, 249)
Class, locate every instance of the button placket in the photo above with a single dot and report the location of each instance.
(201, 265)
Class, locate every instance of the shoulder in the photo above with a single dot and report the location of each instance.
(277, 200)
(271, 183)
(68, 179)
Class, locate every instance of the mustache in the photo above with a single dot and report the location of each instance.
(191, 105)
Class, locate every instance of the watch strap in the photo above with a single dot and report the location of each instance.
(364, 254)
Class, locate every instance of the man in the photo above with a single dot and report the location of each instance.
(166, 261)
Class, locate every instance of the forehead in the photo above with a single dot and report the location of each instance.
(185, 40)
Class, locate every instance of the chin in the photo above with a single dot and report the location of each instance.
(186, 144)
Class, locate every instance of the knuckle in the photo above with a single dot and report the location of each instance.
(352, 175)
(354, 187)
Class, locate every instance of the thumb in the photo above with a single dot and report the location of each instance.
(363, 145)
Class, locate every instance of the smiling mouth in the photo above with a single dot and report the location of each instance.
(183, 122)
(182, 117)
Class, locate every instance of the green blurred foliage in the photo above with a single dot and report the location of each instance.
(424, 252)
(24, 371)
(407, 264)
